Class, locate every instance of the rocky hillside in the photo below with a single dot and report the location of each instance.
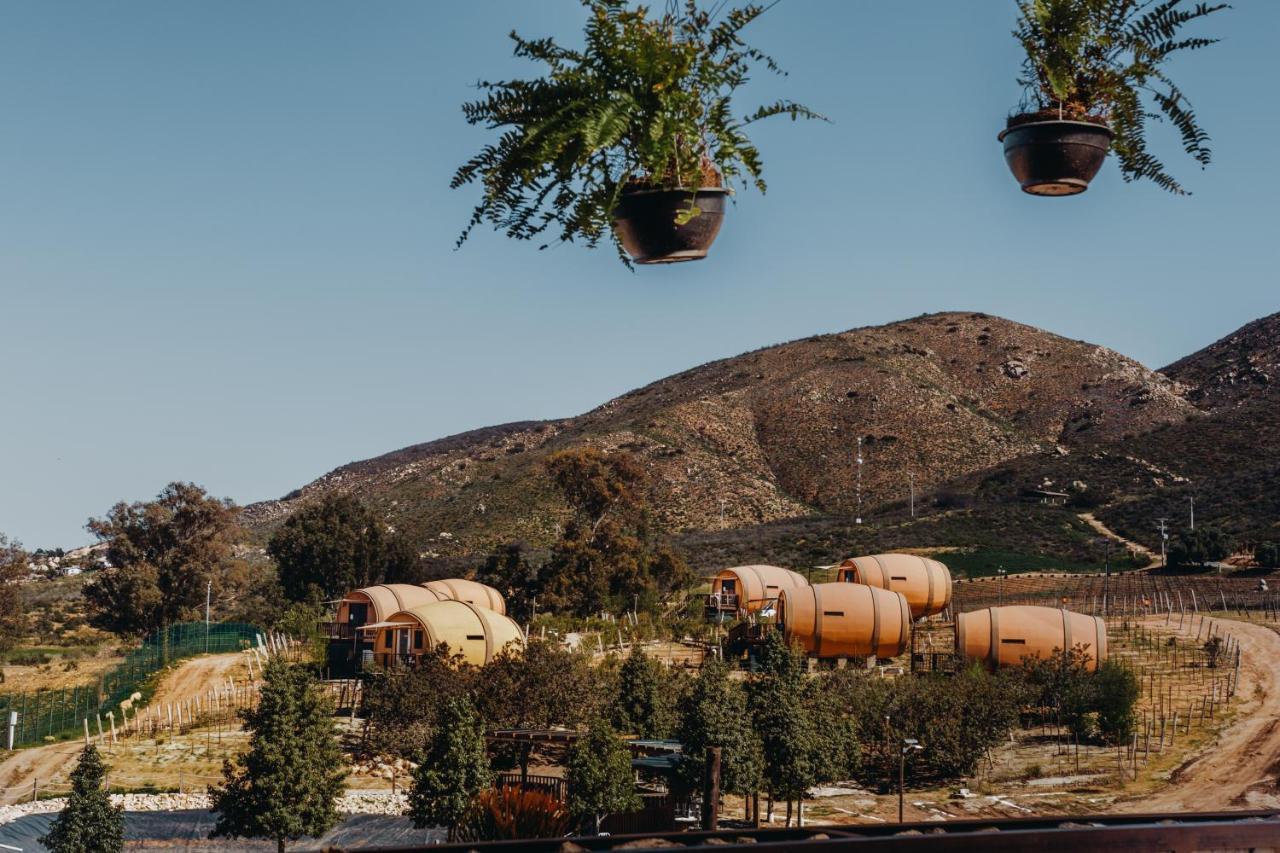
(1241, 367)
(772, 434)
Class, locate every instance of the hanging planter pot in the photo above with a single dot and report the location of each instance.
(617, 141)
(1054, 156)
(1086, 59)
(648, 223)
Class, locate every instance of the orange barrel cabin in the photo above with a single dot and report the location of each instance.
(476, 633)
(1004, 636)
(926, 583)
(472, 592)
(750, 589)
(846, 620)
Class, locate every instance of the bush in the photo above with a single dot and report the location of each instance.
(1197, 547)
(509, 813)
(1267, 554)
(1116, 695)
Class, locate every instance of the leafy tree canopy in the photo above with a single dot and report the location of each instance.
(600, 778)
(714, 713)
(13, 569)
(1198, 547)
(337, 544)
(163, 553)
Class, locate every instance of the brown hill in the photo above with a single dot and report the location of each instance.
(1235, 370)
(772, 434)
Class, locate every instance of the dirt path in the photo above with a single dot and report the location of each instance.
(1240, 769)
(51, 765)
(1089, 519)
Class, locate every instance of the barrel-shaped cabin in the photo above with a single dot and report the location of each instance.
(845, 620)
(475, 633)
(743, 590)
(472, 592)
(370, 604)
(1006, 636)
(926, 583)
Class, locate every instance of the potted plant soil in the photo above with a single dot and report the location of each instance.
(632, 137)
(1093, 75)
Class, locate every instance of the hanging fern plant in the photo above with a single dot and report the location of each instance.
(644, 106)
(1102, 62)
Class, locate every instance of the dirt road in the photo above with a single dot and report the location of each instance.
(1240, 769)
(51, 765)
(1137, 547)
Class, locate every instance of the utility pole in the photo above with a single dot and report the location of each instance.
(722, 512)
(858, 517)
(1107, 542)
(911, 476)
(1001, 572)
(1192, 498)
(1164, 539)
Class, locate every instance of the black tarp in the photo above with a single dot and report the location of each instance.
(189, 829)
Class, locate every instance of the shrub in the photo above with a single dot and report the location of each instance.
(1267, 554)
(1116, 695)
(510, 813)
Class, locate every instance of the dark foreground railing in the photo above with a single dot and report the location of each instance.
(1144, 833)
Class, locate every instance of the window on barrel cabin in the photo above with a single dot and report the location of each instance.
(417, 639)
(386, 642)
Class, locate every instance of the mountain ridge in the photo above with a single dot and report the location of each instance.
(771, 434)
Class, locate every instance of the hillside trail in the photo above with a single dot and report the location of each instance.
(52, 764)
(1240, 768)
(1089, 519)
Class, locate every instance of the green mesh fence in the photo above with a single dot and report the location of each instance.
(56, 713)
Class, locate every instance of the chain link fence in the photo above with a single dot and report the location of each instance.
(46, 715)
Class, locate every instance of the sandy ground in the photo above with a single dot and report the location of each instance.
(1240, 769)
(51, 765)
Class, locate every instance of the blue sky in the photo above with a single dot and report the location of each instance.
(226, 237)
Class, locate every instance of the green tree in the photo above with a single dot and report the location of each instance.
(782, 716)
(600, 778)
(334, 545)
(404, 705)
(13, 570)
(607, 555)
(162, 553)
(286, 784)
(451, 770)
(511, 571)
(88, 823)
(714, 712)
(644, 702)
(1116, 696)
(545, 685)
(1198, 547)
(1267, 554)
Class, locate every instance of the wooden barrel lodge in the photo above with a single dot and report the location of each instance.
(926, 583)
(846, 620)
(751, 589)
(476, 633)
(1004, 636)
(472, 592)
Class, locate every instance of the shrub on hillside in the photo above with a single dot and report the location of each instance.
(1267, 554)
